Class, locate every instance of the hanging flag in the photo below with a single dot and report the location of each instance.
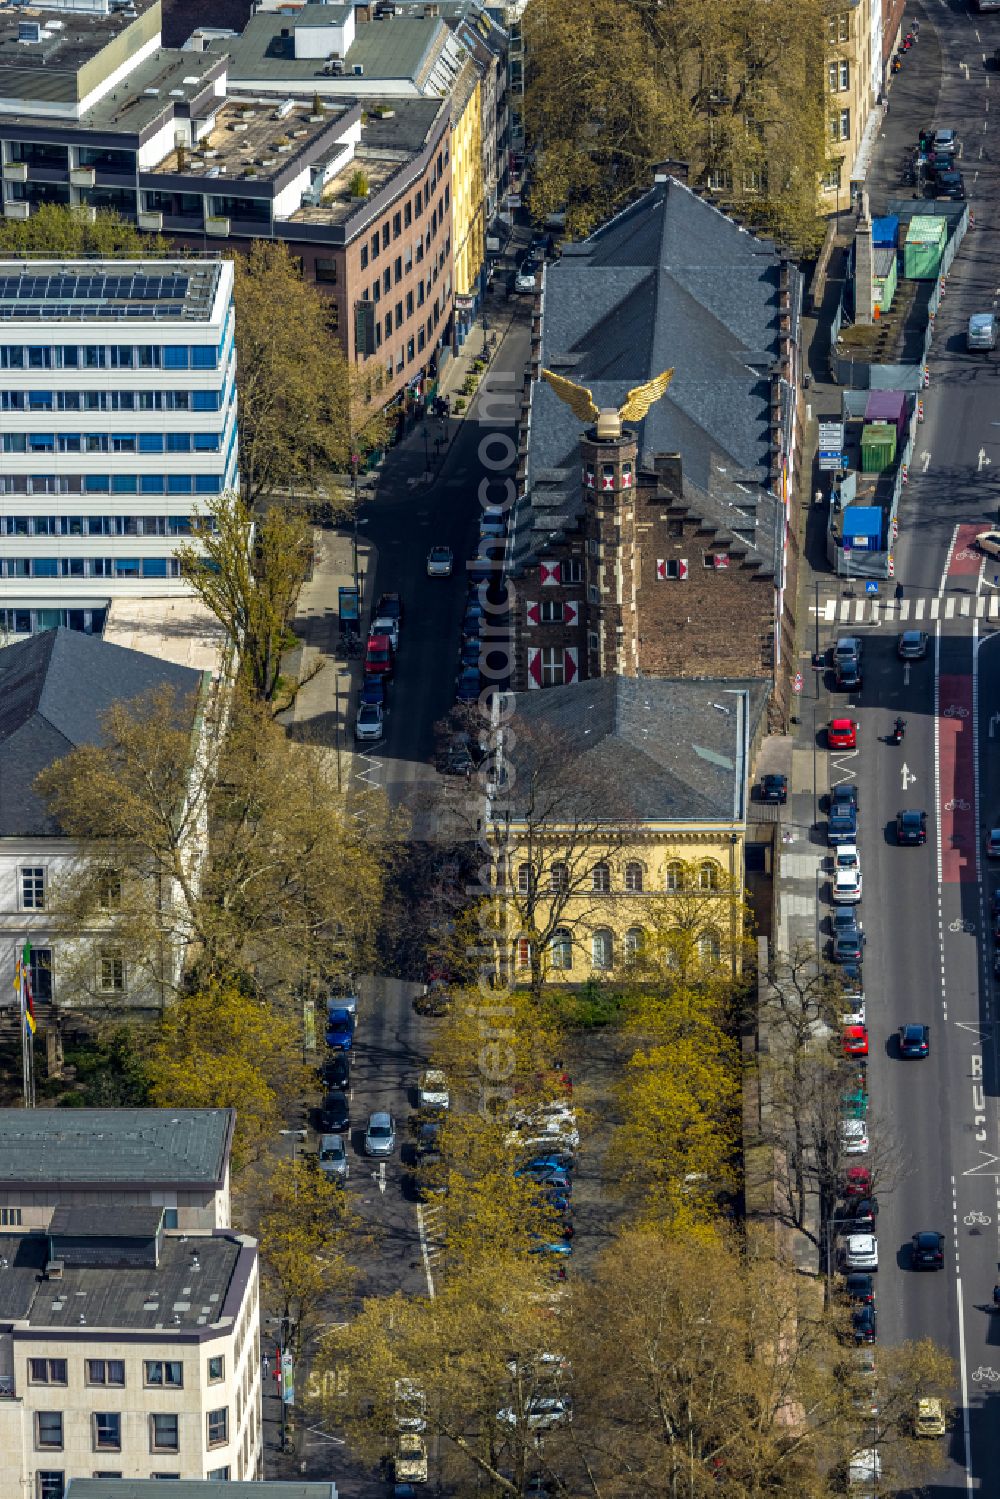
(26, 994)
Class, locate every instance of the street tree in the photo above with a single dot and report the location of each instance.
(699, 932)
(223, 1048)
(64, 232)
(306, 1232)
(248, 571)
(211, 847)
(304, 420)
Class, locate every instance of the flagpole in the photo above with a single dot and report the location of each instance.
(23, 984)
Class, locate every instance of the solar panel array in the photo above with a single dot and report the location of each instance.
(65, 295)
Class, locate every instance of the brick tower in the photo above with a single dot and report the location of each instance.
(609, 489)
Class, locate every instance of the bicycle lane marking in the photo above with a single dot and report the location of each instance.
(957, 780)
(964, 561)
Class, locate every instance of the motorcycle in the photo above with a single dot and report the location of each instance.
(898, 730)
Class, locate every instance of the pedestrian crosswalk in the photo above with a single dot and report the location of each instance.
(872, 610)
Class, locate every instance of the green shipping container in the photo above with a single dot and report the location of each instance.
(878, 447)
(924, 247)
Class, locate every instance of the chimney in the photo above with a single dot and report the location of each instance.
(668, 472)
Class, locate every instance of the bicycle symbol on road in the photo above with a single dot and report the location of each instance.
(971, 1219)
(955, 710)
(985, 1375)
(966, 556)
(961, 926)
(957, 804)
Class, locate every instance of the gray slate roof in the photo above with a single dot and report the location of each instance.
(54, 687)
(170, 1296)
(645, 749)
(144, 1147)
(195, 1488)
(670, 283)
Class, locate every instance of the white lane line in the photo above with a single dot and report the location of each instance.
(966, 1430)
(423, 1250)
(859, 612)
(947, 562)
(937, 756)
(918, 611)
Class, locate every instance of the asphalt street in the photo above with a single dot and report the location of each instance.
(935, 1124)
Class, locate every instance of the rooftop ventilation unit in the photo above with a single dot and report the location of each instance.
(29, 31)
(358, 69)
(284, 109)
(151, 93)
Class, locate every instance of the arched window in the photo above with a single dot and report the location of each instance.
(708, 875)
(635, 943)
(561, 948)
(600, 877)
(525, 880)
(675, 875)
(558, 878)
(709, 947)
(602, 948)
(633, 878)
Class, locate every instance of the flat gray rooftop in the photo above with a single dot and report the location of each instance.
(398, 48)
(166, 290)
(67, 39)
(183, 1147)
(195, 1488)
(186, 1290)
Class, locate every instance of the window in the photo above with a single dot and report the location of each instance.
(633, 878)
(523, 953)
(32, 887)
(364, 257)
(602, 948)
(110, 971)
(50, 1485)
(635, 944)
(675, 875)
(572, 570)
(46, 1371)
(600, 878)
(525, 879)
(107, 1427)
(106, 1371)
(385, 236)
(163, 1433)
(49, 1430)
(550, 612)
(150, 442)
(164, 1372)
(10, 1217)
(397, 269)
(831, 180)
(553, 664)
(221, 1475)
(218, 1427)
(109, 890)
(708, 875)
(558, 878)
(561, 948)
(216, 1368)
(709, 947)
(326, 269)
(845, 124)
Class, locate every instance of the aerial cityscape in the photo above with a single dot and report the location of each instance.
(499, 831)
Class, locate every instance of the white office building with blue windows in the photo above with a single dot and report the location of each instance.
(117, 423)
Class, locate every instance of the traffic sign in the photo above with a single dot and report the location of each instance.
(847, 550)
(797, 683)
(871, 586)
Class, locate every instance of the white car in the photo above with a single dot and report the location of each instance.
(440, 561)
(546, 1133)
(847, 887)
(411, 1458)
(409, 1406)
(845, 856)
(989, 542)
(854, 1137)
(369, 723)
(541, 1412)
(864, 1471)
(853, 1011)
(525, 278)
(432, 1090)
(385, 625)
(860, 1252)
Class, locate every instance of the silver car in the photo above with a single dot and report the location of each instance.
(380, 1136)
(333, 1157)
(369, 724)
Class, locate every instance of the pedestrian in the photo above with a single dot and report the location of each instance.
(916, 29)
(818, 496)
(266, 1362)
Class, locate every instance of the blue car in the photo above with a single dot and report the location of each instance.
(560, 1158)
(555, 1246)
(471, 650)
(549, 1176)
(373, 691)
(469, 685)
(340, 1029)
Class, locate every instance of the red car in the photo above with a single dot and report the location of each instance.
(857, 1182)
(855, 1040)
(842, 734)
(378, 656)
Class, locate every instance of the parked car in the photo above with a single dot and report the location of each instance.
(993, 844)
(432, 1090)
(440, 561)
(410, 1465)
(856, 1182)
(854, 1138)
(914, 1040)
(847, 649)
(774, 788)
(380, 1136)
(929, 1418)
(912, 644)
(947, 182)
(864, 1323)
(456, 757)
(911, 827)
(847, 886)
(468, 685)
(389, 606)
(340, 1029)
(526, 274)
(852, 1009)
(944, 143)
(845, 794)
(848, 944)
(384, 624)
(541, 1412)
(336, 1112)
(842, 733)
(409, 1406)
(336, 1070)
(369, 726)
(379, 656)
(982, 332)
(927, 1250)
(372, 692)
(855, 1040)
(435, 1000)
(860, 1252)
(333, 1160)
(859, 1286)
(842, 824)
(864, 1212)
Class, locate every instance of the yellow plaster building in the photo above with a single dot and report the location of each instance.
(619, 824)
(467, 196)
(852, 81)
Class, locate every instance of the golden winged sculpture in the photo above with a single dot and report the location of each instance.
(609, 421)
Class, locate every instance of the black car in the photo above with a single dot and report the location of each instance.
(859, 1286)
(456, 758)
(845, 795)
(911, 827)
(927, 1252)
(774, 789)
(948, 183)
(848, 947)
(435, 1000)
(995, 902)
(914, 1040)
(428, 1138)
(912, 645)
(336, 1070)
(864, 1323)
(389, 606)
(864, 1216)
(336, 1112)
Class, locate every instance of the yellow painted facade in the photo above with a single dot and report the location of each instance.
(468, 212)
(847, 97)
(603, 906)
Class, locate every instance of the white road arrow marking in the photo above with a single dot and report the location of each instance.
(908, 777)
(379, 1176)
(983, 1169)
(984, 462)
(906, 674)
(925, 459)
